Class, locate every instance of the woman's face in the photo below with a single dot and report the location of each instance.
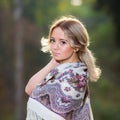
(60, 47)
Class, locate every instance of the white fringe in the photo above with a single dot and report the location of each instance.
(37, 111)
(31, 115)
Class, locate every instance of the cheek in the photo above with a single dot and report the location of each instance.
(67, 50)
(50, 47)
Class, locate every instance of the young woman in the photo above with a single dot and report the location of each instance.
(60, 91)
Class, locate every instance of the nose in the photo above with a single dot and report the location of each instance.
(56, 45)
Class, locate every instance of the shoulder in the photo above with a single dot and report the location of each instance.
(75, 74)
(73, 68)
(69, 71)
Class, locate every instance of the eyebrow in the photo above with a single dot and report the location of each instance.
(60, 39)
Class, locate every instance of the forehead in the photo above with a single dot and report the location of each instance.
(57, 32)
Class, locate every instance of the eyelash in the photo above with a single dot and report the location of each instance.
(52, 40)
(61, 42)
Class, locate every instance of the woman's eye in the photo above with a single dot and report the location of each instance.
(63, 42)
(52, 40)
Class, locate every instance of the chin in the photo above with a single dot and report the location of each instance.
(59, 61)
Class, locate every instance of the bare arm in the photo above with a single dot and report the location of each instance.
(39, 76)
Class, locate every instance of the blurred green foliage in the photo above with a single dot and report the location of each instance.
(112, 8)
(37, 17)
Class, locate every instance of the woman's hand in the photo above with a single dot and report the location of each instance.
(40, 75)
(52, 64)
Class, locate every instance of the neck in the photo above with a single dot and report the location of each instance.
(72, 58)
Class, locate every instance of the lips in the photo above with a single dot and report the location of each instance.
(55, 54)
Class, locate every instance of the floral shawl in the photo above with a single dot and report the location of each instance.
(65, 92)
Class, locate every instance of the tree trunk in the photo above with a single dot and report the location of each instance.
(18, 60)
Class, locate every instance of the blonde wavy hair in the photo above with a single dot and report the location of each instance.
(78, 38)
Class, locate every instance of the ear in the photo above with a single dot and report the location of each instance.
(76, 50)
